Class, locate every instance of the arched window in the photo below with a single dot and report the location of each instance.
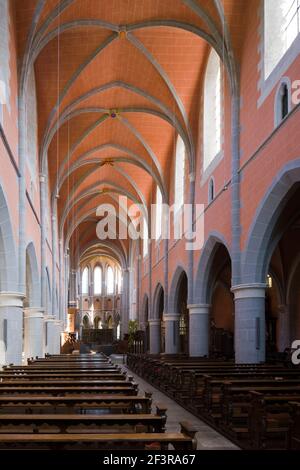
(145, 238)
(282, 100)
(85, 281)
(110, 280)
(281, 27)
(211, 190)
(179, 173)
(212, 109)
(4, 58)
(31, 126)
(158, 213)
(97, 280)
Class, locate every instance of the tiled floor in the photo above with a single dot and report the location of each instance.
(207, 438)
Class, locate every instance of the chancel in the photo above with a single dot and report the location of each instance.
(149, 225)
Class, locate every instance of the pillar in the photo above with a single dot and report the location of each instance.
(154, 326)
(58, 324)
(125, 309)
(72, 291)
(33, 332)
(172, 338)
(284, 340)
(199, 330)
(11, 327)
(50, 330)
(249, 334)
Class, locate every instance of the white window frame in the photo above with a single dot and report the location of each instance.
(267, 84)
(209, 162)
(85, 270)
(108, 291)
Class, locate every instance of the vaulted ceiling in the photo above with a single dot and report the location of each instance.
(117, 81)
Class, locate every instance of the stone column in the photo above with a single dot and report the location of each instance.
(54, 248)
(11, 327)
(199, 330)
(50, 334)
(284, 340)
(58, 324)
(154, 326)
(249, 334)
(125, 310)
(172, 339)
(33, 332)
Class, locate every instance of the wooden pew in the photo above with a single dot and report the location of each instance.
(91, 423)
(185, 441)
(293, 435)
(91, 383)
(125, 388)
(269, 419)
(74, 403)
(64, 376)
(235, 396)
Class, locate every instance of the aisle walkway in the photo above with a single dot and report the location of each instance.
(207, 438)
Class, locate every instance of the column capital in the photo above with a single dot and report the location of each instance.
(246, 291)
(171, 316)
(198, 309)
(154, 321)
(11, 299)
(34, 312)
(50, 318)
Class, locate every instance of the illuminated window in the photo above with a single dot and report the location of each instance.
(158, 213)
(85, 281)
(97, 280)
(269, 281)
(281, 27)
(110, 280)
(179, 173)
(212, 109)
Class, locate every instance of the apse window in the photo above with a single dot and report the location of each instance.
(212, 109)
(97, 280)
(85, 281)
(110, 284)
(281, 28)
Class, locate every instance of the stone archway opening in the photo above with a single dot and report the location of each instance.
(222, 305)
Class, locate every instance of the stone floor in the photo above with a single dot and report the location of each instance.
(207, 438)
